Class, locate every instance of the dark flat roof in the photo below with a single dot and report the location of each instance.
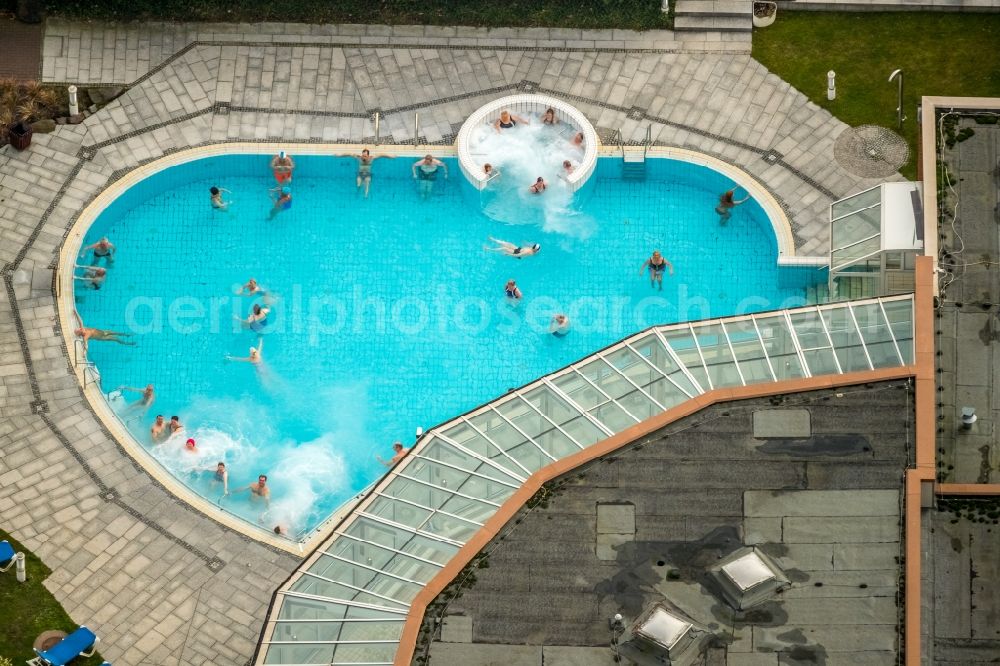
(827, 508)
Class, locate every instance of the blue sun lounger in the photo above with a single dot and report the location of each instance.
(81, 643)
(6, 556)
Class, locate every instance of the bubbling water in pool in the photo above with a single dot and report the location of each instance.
(521, 154)
(233, 431)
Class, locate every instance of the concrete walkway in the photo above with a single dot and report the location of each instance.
(160, 583)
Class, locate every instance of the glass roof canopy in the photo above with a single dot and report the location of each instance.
(865, 224)
(347, 603)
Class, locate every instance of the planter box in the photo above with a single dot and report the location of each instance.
(20, 135)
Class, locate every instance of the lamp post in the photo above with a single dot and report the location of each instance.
(831, 85)
(898, 73)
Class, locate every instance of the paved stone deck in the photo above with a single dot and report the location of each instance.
(160, 583)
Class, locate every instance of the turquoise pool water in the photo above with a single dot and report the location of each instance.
(386, 313)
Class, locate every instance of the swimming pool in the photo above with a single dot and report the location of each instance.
(387, 313)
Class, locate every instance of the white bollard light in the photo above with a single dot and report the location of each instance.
(74, 106)
(21, 573)
(831, 85)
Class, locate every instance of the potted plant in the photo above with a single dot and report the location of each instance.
(20, 105)
(764, 13)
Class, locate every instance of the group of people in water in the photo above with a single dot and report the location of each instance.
(425, 172)
(508, 120)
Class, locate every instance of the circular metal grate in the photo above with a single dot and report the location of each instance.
(870, 151)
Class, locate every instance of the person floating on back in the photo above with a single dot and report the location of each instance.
(511, 250)
(727, 203)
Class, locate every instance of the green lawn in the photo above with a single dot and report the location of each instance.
(27, 609)
(940, 54)
(630, 14)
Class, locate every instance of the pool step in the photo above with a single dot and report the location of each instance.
(852, 288)
(817, 294)
(633, 169)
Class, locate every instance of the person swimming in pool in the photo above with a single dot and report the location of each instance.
(255, 357)
(259, 490)
(364, 175)
(398, 452)
(221, 475)
(549, 117)
(250, 288)
(567, 168)
(216, 198)
(511, 250)
(145, 401)
(512, 292)
(559, 325)
(577, 140)
(282, 166)
(425, 172)
(175, 425)
(657, 263)
(727, 203)
(508, 120)
(94, 276)
(538, 186)
(158, 431)
(103, 250)
(282, 197)
(257, 319)
(490, 171)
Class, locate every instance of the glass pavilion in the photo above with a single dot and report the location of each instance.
(875, 237)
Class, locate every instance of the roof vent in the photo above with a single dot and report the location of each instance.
(662, 636)
(748, 577)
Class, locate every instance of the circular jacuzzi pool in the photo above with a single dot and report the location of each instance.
(384, 314)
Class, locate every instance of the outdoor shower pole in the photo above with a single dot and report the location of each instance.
(899, 102)
(74, 106)
(416, 129)
(376, 127)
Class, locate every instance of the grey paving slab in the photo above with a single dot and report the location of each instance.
(781, 423)
(821, 503)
